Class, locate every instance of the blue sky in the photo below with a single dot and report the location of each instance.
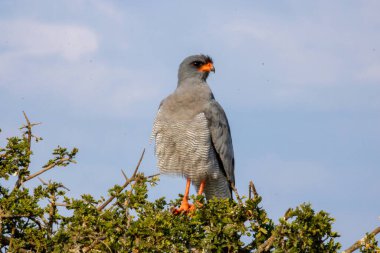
(299, 81)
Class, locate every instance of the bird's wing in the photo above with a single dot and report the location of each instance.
(221, 138)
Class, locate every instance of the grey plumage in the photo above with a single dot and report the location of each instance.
(192, 133)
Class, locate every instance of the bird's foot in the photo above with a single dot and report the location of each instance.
(185, 208)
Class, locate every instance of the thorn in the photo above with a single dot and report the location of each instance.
(42, 181)
(125, 176)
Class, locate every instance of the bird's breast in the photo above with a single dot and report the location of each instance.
(184, 147)
(186, 103)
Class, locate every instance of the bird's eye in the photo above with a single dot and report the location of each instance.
(197, 63)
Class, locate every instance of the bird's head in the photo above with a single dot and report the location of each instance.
(198, 66)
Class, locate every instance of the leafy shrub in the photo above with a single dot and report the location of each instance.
(32, 220)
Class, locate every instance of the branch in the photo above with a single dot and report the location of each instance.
(29, 134)
(93, 244)
(235, 190)
(359, 243)
(29, 126)
(127, 182)
(59, 161)
(11, 216)
(52, 213)
(154, 175)
(126, 202)
(269, 242)
(61, 204)
(29, 131)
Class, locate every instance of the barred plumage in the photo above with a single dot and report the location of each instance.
(192, 134)
(184, 148)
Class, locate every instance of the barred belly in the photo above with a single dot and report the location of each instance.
(185, 148)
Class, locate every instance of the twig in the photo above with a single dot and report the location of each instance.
(234, 189)
(29, 126)
(11, 238)
(64, 187)
(268, 243)
(36, 221)
(61, 204)
(252, 189)
(29, 134)
(359, 243)
(11, 216)
(126, 202)
(93, 244)
(52, 213)
(154, 175)
(50, 166)
(127, 182)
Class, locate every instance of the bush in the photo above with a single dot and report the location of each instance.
(31, 219)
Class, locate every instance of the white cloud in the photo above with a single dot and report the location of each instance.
(89, 87)
(59, 64)
(32, 38)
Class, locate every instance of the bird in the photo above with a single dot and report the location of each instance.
(192, 134)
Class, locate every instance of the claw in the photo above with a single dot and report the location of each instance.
(185, 207)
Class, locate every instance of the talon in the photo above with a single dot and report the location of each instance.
(185, 207)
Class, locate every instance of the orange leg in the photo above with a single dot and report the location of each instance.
(185, 205)
(200, 191)
(201, 187)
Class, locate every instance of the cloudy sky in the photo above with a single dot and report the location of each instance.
(299, 81)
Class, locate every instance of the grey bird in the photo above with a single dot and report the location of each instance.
(192, 135)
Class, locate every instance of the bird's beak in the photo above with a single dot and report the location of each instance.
(208, 67)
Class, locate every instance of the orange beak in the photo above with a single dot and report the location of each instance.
(207, 68)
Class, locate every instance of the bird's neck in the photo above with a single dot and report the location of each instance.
(198, 79)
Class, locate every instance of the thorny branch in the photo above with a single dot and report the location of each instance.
(28, 132)
(28, 126)
(127, 182)
(93, 244)
(50, 166)
(359, 243)
(12, 216)
(154, 175)
(52, 213)
(109, 200)
(269, 242)
(29, 135)
(235, 190)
